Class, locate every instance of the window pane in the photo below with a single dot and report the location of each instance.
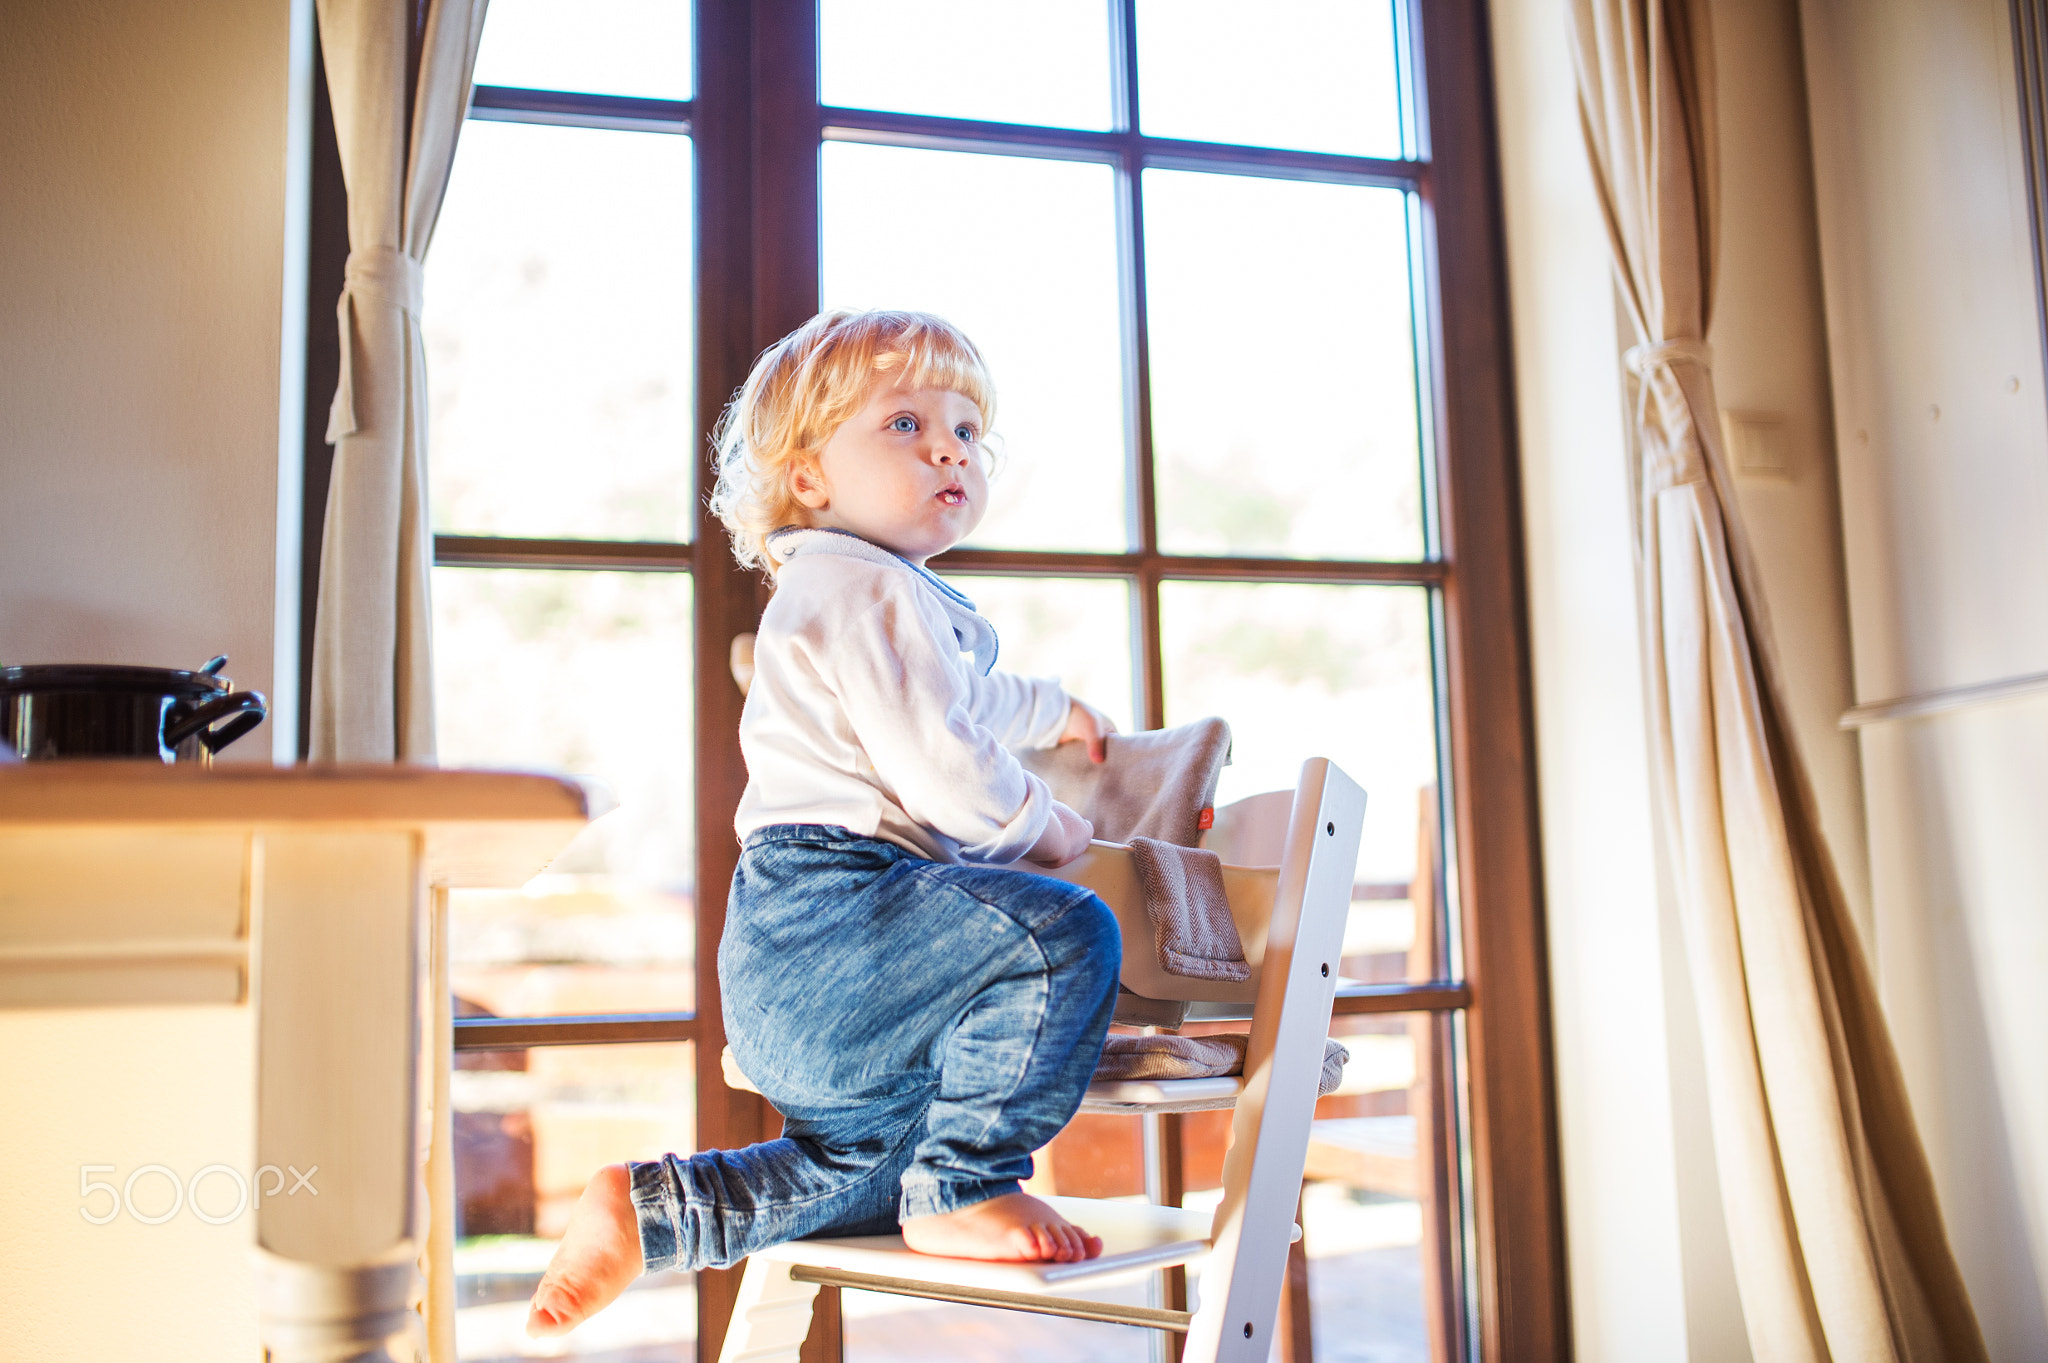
(595, 47)
(1315, 75)
(1075, 629)
(586, 673)
(1021, 255)
(560, 335)
(1376, 1230)
(531, 1127)
(1283, 368)
(1046, 62)
(1336, 672)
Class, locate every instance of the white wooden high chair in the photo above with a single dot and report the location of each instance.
(1291, 919)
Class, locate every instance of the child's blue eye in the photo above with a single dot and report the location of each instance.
(903, 423)
(965, 433)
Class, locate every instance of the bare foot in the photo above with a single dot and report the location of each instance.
(1014, 1226)
(598, 1258)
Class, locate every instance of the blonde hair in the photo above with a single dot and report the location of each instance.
(804, 387)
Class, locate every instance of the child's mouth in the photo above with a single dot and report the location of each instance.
(952, 496)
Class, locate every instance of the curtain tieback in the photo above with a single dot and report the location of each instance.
(1642, 359)
(381, 274)
(1671, 446)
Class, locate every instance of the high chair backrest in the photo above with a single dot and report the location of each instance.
(1108, 869)
(1252, 831)
(1269, 1133)
(1251, 836)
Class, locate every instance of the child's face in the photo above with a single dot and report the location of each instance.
(904, 472)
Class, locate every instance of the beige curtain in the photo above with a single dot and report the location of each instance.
(373, 679)
(1839, 1248)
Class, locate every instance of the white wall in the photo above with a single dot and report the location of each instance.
(143, 151)
(1771, 360)
(1651, 1271)
(1944, 481)
(1622, 1229)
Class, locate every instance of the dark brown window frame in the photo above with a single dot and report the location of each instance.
(757, 129)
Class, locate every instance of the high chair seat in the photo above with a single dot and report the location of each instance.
(1138, 1096)
(1135, 1235)
(772, 1314)
(1291, 920)
(1118, 1095)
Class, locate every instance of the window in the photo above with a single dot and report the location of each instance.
(1235, 272)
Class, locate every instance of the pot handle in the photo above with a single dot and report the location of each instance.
(247, 707)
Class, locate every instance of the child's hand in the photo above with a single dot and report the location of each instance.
(1065, 837)
(1089, 725)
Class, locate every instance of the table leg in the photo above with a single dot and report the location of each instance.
(337, 952)
(439, 1264)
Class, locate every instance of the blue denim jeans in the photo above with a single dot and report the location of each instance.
(922, 1027)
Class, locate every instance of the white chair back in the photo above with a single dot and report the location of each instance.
(1254, 1223)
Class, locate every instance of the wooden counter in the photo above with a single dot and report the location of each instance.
(311, 900)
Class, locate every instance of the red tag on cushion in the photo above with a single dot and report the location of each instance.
(1207, 818)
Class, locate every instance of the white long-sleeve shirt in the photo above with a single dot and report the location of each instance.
(864, 712)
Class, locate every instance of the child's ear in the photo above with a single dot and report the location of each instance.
(807, 484)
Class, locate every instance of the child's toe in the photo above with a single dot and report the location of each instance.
(549, 1313)
(1029, 1242)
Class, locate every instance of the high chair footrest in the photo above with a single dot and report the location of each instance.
(1162, 1095)
(1135, 1235)
(1075, 1308)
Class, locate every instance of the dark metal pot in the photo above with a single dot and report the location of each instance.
(57, 710)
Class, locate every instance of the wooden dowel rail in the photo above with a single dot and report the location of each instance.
(1074, 1308)
(507, 1034)
(1943, 701)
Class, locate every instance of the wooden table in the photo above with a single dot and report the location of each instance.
(188, 956)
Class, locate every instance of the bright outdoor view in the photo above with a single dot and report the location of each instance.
(1285, 423)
